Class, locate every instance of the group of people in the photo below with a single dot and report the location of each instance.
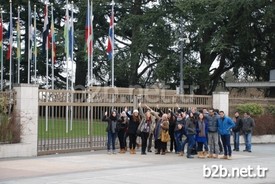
(206, 132)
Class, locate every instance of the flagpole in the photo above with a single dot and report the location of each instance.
(2, 69)
(18, 46)
(92, 43)
(10, 42)
(72, 60)
(47, 68)
(29, 39)
(53, 51)
(35, 46)
(113, 42)
(67, 64)
(88, 45)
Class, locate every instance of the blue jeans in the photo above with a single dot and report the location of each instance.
(111, 140)
(226, 145)
(236, 136)
(178, 139)
(247, 140)
(191, 141)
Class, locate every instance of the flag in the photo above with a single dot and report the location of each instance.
(66, 28)
(52, 39)
(32, 37)
(71, 37)
(9, 36)
(45, 29)
(110, 45)
(88, 31)
(18, 53)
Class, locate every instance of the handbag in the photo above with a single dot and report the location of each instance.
(139, 129)
(165, 137)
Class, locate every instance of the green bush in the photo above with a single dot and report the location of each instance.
(252, 108)
(270, 109)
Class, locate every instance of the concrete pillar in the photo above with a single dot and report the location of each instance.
(26, 108)
(221, 101)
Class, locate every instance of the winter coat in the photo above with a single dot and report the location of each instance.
(190, 126)
(248, 125)
(200, 138)
(212, 123)
(112, 123)
(224, 125)
(238, 124)
(133, 125)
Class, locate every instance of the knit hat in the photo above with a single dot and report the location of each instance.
(135, 111)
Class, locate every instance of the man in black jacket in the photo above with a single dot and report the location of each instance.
(236, 131)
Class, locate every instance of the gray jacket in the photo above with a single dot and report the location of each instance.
(248, 124)
(212, 123)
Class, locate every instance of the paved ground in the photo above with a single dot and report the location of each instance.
(98, 167)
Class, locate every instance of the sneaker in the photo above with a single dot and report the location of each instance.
(249, 151)
(143, 153)
(229, 158)
(150, 151)
(114, 152)
(245, 150)
(109, 152)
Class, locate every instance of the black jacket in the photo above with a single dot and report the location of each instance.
(238, 125)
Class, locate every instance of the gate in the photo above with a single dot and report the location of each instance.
(71, 120)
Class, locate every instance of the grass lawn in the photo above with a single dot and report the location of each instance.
(57, 128)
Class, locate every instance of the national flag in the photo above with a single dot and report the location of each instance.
(71, 38)
(45, 29)
(110, 45)
(9, 38)
(66, 29)
(52, 39)
(18, 38)
(89, 31)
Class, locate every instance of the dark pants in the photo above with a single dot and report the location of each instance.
(121, 135)
(226, 145)
(133, 141)
(200, 146)
(144, 136)
(150, 139)
(191, 141)
(111, 140)
(160, 146)
(172, 141)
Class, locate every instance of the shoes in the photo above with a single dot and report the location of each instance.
(143, 153)
(157, 153)
(221, 153)
(224, 157)
(249, 151)
(245, 150)
(229, 158)
(210, 156)
(109, 152)
(149, 151)
(114, 152)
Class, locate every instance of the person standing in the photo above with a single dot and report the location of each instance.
(179, 132)
(132, 129)
(190, 129)
(201, 137)
(225, 124)
(121, 128)
(213, 137)
(236, 131)
(247, 129)
(172, 124)
(145, 128)
(111, 130)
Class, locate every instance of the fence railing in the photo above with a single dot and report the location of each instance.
(234, 102)
(71, 120)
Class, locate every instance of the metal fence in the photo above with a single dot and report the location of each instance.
(71, 120)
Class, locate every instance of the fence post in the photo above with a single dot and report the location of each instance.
(26, 108)
(221, 101)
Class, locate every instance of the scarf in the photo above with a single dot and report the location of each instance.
(201, 128)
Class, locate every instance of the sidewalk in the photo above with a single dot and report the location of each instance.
(99, 167)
